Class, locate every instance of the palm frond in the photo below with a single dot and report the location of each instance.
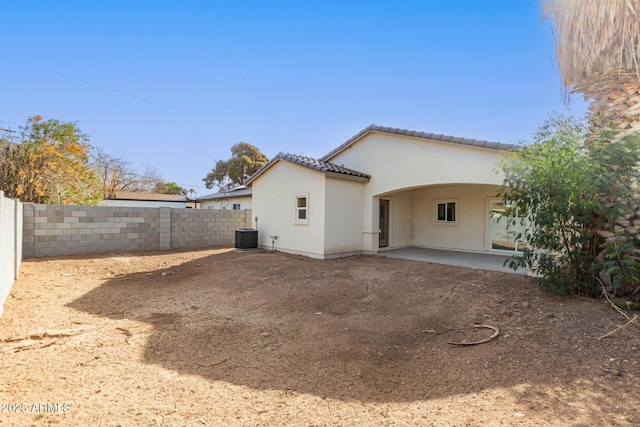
(595, 37)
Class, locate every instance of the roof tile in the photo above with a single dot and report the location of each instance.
(423, 135)
(313, 164)
(319, 165)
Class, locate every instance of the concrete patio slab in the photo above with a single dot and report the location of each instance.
(491, 262)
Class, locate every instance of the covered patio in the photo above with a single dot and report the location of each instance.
(480, 261)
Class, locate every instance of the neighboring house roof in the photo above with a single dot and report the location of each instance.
(313, 164)
(233, 193)
(416, 134)
(148, 197)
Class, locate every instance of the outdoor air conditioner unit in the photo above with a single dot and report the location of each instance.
(246, 238)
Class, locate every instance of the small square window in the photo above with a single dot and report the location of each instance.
(236, 206)
(302, 206)
(446, 211)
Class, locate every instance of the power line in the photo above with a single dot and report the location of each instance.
(269, 134)
(151, 101)
(121, 92)
(183, 185)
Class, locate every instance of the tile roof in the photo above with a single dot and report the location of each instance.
(231, 194)
(313, 164)
(424, 135)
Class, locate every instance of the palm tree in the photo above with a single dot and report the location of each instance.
(598, 52)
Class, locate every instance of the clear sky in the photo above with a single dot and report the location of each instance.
(174, 84)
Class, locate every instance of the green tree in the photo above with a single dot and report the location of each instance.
(245, 160)
(48, 162)
(170, 188)
(598, 56)
(573, 199)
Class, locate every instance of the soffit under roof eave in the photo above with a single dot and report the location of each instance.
(346, 177)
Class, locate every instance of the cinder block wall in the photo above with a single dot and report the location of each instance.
(51, 230)
(10, 244)
(69, 230)
(206, 227)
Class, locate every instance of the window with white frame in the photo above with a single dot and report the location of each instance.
(446, 211)
(236, 206)
(302, 209)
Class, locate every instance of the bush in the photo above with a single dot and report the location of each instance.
(574, 194)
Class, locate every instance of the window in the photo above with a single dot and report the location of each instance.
(236, 206)
(446, 211)
(506, 227)
(302, 209)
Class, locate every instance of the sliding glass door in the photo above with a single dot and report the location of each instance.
(505, 225)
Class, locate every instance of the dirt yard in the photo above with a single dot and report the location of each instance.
(252, 339)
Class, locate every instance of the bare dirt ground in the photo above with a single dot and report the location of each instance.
(217, 338)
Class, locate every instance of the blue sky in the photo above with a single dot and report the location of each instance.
(174, 84)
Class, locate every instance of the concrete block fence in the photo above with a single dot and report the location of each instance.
(30, 230)
(10, 244)
(207, 227)
(51, 230)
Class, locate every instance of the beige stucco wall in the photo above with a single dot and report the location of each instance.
(472, 228)
(412, 217)
(409, 172)
(274, 197)
(398, 163)
(343, 216)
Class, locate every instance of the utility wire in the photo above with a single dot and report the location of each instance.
(151, 101)
(121, 92)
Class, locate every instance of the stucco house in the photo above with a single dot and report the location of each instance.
(385, 188)
(138, 199)
(238, 198)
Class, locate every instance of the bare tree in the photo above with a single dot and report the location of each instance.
(118, 175)
(147, 180)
